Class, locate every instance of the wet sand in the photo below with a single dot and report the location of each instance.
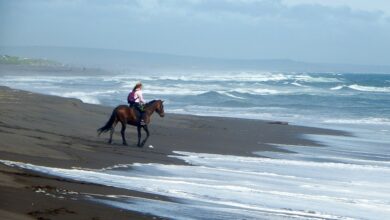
(61, 132)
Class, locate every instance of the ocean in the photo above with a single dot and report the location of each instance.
(323, 98)
(347, 178)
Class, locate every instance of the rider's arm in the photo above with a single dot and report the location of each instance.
(140, 96)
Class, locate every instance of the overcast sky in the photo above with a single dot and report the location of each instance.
(340, 31)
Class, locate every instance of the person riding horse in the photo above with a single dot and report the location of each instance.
(128, 115)
(136, 99)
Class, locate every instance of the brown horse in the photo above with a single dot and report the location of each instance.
(127, 115)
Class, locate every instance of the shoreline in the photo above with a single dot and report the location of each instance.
(61, 132)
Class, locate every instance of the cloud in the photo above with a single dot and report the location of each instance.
(355, 5)
(251, 9)
(315, 30)
(244, 10)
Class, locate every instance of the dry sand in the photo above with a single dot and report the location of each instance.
(59, 132)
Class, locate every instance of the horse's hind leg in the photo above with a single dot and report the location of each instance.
(123, 133)
(112, 130)
(139, 135)
(145, 127)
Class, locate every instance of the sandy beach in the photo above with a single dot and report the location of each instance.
(60, 132)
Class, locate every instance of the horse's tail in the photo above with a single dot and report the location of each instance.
(109, 123)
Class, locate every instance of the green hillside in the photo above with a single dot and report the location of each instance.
(6, 59)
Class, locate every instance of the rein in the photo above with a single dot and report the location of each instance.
(150, 105)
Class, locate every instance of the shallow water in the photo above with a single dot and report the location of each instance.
(347, 178)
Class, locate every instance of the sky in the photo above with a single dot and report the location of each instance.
(325, 31)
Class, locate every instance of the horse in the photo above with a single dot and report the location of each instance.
(128, 115)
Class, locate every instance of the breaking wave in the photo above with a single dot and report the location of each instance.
(361, 88)
(369, 88)
(370, 120)
(86, 97)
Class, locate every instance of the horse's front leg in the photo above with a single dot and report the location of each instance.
(147, 135)
(139, 135)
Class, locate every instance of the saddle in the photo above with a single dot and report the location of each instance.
(136, 106)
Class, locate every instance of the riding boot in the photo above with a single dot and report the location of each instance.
(142, 121)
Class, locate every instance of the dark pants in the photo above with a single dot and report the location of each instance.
(139, 107)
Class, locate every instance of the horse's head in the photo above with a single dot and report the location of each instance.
(160, 108)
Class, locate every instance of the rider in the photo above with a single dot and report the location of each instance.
(137, 100)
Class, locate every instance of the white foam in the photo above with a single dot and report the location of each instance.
(192, 158)
(362, 88)
(248, 187)
(232, 96)
(243, 76)
(370, 120)
(206, 77)
(179, 89)
(369, 88)
(297, 84)
(86, 97)
(337, 87)
(259, 91)
(312, 79)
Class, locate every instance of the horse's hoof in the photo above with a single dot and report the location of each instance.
(125, 144)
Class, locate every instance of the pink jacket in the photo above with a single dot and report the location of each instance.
(138, 96)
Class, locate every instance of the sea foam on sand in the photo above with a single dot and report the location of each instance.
(227, 186)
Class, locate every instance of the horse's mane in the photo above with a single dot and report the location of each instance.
(151, 102)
